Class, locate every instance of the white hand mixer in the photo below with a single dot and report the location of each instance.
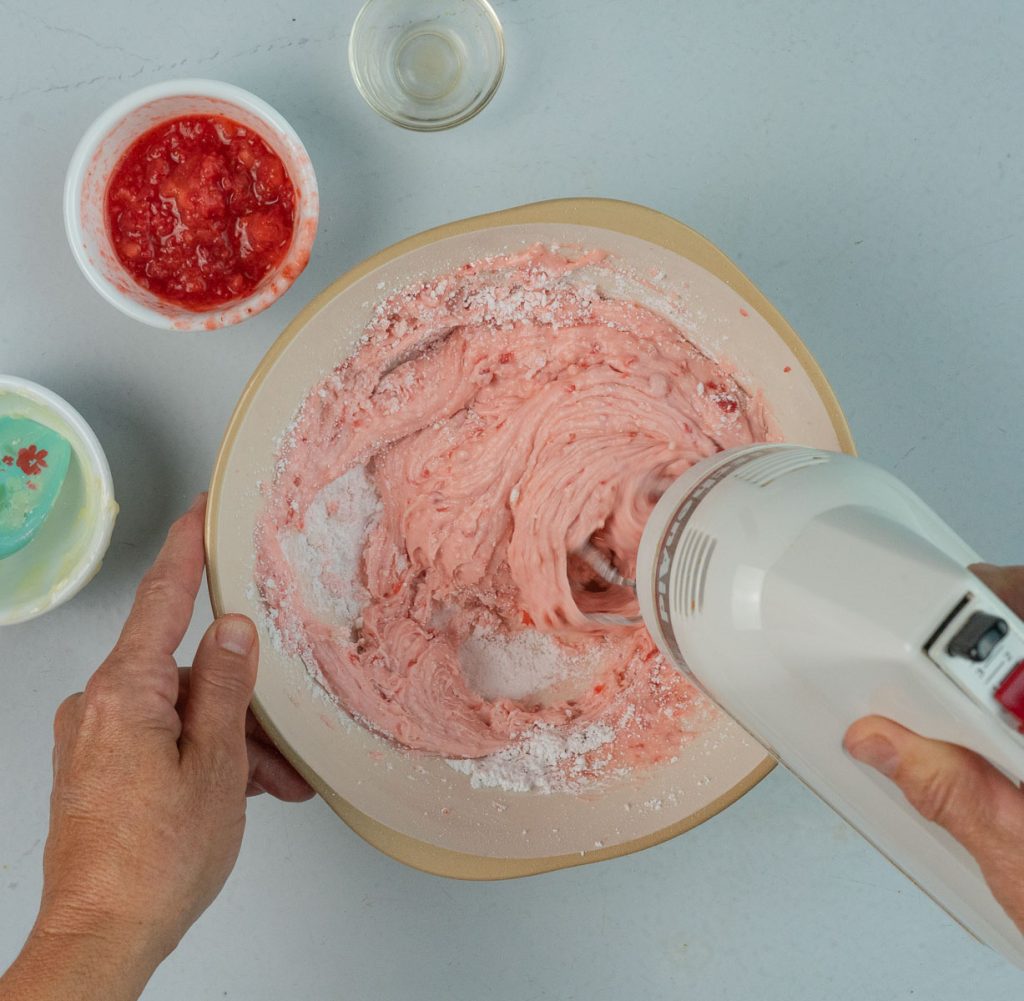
(803, 589)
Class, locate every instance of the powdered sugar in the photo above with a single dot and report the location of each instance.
(546, 760)
(522, 666)
(327, 549)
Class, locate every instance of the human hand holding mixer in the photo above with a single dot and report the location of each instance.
(955, 787)
(804, 589)
(95, 905)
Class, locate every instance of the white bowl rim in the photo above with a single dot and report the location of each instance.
(101, 126)
(96, 460)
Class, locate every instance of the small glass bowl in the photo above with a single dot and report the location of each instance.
(427, 64)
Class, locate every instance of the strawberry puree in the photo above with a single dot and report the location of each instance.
(200, 210)
(505, 414)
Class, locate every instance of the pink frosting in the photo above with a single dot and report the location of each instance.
(506, 414)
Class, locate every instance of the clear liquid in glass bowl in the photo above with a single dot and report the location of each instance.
(427, 64)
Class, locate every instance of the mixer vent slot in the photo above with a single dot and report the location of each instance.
(691, 573)
(775, 465)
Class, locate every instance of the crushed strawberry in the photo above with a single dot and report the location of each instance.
(200, 210)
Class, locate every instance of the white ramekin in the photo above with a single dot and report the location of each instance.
(98, 153)
(69, 549)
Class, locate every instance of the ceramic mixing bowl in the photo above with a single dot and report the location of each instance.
(415, 808)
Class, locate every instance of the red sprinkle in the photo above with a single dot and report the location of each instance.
(8, 460)
(787, 369)
(743, 312)
(200, 209)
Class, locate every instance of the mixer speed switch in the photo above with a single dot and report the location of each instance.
(979, 636)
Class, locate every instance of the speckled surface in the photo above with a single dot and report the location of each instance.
(862, 162)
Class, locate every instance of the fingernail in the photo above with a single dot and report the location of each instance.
(198, 501)
(236, 635)
(878, 752)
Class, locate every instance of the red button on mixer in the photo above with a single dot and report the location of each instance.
(1010, 693)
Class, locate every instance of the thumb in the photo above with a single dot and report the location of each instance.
(220, 687)
(957, 789)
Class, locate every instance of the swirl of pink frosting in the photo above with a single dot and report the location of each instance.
(505, 414)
